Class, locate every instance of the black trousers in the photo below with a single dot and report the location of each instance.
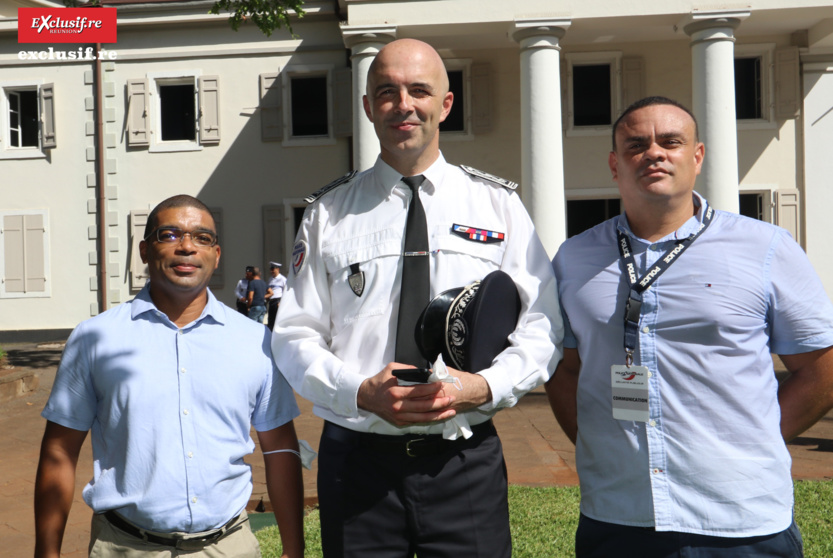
(243, 308)
(377, 501)
(272, 312)
(598, 539)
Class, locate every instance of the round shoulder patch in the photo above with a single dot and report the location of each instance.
(299, 256)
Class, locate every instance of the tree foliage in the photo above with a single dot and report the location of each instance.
(268, 15)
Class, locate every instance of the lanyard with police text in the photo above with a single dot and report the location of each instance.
(638, 286)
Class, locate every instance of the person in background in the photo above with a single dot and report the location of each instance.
(277, 283)
(241, 289)
(256, 294)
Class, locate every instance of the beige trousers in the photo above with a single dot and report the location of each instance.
(107, 541)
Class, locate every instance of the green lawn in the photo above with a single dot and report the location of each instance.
(544, 522)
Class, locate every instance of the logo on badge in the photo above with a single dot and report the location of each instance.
(299, 256)
(356, 279)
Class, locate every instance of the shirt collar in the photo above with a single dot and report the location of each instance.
(689, 227)
(389, 178)
(213, 310)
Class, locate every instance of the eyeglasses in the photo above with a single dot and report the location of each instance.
(173, 235)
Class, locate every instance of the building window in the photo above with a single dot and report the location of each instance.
(177, 110)
(752, 205)
(594, 91)
(23, 118)
(754, 86)
(591, 95)
(586, 214)
(24, 254)
(308, 99)
(173, 111)
(748, 89)
(456, 119)
(28, 119)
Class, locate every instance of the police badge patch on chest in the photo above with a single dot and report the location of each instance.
(356, 279)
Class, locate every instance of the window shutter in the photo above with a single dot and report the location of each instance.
(217, 280)
(271, 117)
(209, 110)
(138, 113)
(13, 249)
(24, 253)
(343, 102)
(787, 212)
(34, 254)
(138, 269)
(632, 81)
(787, 90)
(47, 104)
(481, 98)
(273, 235)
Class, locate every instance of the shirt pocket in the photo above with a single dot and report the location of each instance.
(488, 255)
(374, 256)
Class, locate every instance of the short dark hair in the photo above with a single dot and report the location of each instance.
(181, 200)
(651, 101)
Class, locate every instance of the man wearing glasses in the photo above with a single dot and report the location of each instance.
(170, 384)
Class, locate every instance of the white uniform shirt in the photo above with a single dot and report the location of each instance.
(241, 288)
(277, 284)
(328, 340)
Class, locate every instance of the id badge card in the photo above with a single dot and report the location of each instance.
(630, 392)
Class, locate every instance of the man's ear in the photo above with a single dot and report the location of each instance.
(448, 100)
(217, 259)
(143, 251)
(367, 111)
(611, 162)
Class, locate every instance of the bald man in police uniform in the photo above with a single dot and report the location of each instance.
(389, 483)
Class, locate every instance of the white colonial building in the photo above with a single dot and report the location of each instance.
(250, 124)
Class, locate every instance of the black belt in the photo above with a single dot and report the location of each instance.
(184, 542)
(411, 445)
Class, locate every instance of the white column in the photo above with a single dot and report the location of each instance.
(542, 153)
(713, 78)
(364, 43)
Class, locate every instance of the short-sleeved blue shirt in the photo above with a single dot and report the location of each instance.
(711, 460)
(170, 411)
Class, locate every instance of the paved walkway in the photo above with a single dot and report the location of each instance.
(537, 452)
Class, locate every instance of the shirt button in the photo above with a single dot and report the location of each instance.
(653, 422)
(650, 373)
(182, 370)
(179, 332)
(645, 329)
(185, 411)
(194, 499)
(190, 454)
(653, 246)
(655, 471)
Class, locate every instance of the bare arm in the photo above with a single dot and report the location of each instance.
(807, 394)
(285, 486)
(561, 391)
(55, 486)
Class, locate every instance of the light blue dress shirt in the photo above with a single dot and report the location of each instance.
(170, 411)
(711, 459)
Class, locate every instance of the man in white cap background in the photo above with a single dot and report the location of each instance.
(276, 286)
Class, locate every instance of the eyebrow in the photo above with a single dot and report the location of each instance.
(421, 84)
(665, 136)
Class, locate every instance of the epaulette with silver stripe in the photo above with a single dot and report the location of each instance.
(490, 177)
(338, 182)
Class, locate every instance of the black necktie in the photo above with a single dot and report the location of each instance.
(414, 291)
